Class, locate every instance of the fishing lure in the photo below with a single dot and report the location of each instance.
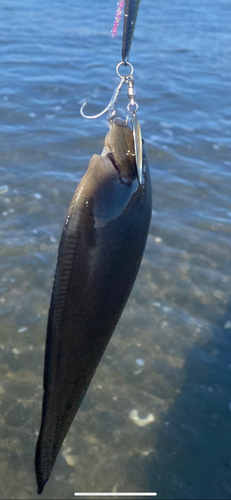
(118, 14)
(131, 115)
(130, 15)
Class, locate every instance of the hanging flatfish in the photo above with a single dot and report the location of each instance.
(99, 255)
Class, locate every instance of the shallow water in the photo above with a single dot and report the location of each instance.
(170, 356)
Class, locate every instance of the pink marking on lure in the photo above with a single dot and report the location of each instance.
(118, 15)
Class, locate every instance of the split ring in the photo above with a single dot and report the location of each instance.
(127, 64)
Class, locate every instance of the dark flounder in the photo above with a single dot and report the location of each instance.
(99, 255)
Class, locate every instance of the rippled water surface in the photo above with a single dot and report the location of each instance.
(169, 360)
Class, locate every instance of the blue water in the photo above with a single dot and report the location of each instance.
(169, 360)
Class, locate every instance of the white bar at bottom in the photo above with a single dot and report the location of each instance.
(115, 494)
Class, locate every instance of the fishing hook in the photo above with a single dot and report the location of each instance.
(110, 105)
(112, 102)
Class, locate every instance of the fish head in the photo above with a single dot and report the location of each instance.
(119, 146)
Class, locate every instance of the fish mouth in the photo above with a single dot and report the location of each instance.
(117, 166)
(119, 149)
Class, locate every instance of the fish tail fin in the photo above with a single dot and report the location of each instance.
(41, 470)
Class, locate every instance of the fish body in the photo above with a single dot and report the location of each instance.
(99, 255)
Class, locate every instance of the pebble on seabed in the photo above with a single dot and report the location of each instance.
(140, 362)
(22, 329)
(141, 422)
(68, 457)
(16, 351)
(70, 460)
(3, 189)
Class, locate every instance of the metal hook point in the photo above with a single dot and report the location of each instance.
(93, 116)
(110, 105)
